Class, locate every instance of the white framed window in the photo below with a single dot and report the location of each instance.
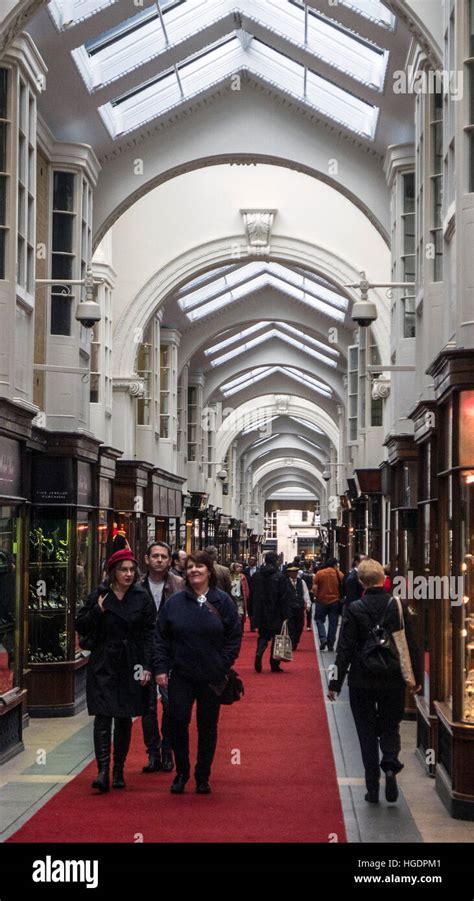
(192, 423)
(145, 358)
(26, 192)
(408, 258)
(63, 250)
(165, 390)
(5, 132)
(352, 393)
(436, 178)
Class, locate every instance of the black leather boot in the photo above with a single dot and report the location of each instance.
(167, 761)
(102, 738)
(154, 764)
(122, 736)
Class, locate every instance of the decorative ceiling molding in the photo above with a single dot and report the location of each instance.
(258, 226)
(18, 20)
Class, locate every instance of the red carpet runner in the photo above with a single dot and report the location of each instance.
(283, 790)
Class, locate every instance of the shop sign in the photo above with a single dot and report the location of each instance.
(53, 480)
(10, 468)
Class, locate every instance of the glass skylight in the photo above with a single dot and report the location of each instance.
(223, 60)
(273, 333)
(308, 424)
(312, 443)
(373, 10)
(66, 13)
(239, 336)
(262, 441)
(261, 372)
(241, 281)
(259, 424)
(142, 37)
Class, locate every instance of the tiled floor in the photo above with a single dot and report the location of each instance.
(57, 749)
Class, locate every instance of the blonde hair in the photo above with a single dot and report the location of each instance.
(370, 573)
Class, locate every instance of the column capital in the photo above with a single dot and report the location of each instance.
(132, 385)
(170, 336)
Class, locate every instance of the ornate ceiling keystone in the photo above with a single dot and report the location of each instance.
(258, 225)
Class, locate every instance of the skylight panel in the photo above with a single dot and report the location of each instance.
(309, 338)
(261, 339)
(223, 60)
(237, 337)
(306, 379)
(191, 299)
(262, 441)
(256, 377)
(66, 13)
(312, 443)
(308, 424)
(337, 46)
(246, 376)
(258, 425)
(373, 10)
(124, 29)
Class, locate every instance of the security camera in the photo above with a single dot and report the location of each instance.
(364, 313)
(88, 313)
(326, 475)
(222, 475)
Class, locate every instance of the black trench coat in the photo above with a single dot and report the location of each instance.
(123, 642)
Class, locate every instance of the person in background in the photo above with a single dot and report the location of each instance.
(351, 586)
(327, 584)
(118, 618)
(240, 591)
(198, 637)
(178, 563)
(307, 576)
(270, 607)
(222, 572)
(377, 702)
(161, 584)
(251, 569)
(298, 601)
(387, 584)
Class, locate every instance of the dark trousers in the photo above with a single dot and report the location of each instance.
(331, 611)
(151, 730)
(182, 693)
(264, 636)
(377, 714)
(295, 625)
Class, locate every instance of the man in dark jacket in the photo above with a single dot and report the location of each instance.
(352, 587)
(298, 599)
(160, 583)
(224, 581)
(377, 702)
(270, 607)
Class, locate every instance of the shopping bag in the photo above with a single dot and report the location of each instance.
(400, 640)
(282, 649)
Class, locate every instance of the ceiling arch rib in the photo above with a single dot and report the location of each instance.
(288, 426)
(288, 446)
(287, 464)
(259, 412)
(281, 386)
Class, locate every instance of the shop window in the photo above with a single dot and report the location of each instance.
(26, 190)
(9, 583)
(50, 543)
(467, 554)
(470, 110)
(95, 365)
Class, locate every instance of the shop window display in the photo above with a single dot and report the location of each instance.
(50, 542)
(9, 543)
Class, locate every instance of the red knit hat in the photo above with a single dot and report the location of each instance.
(124, 554)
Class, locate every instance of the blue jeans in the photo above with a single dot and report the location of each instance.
(331, 611)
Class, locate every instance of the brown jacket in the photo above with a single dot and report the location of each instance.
(326, 585)
(224, 581)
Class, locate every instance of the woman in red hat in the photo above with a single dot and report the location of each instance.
(117, 625)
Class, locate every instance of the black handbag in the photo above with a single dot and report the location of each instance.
(231, 686)
(230, 689)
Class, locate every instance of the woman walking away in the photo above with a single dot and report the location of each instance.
(240, 591)
(198, 637)
(118, 620)
(377, 697)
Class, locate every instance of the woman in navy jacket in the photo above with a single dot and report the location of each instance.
(198, 637)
